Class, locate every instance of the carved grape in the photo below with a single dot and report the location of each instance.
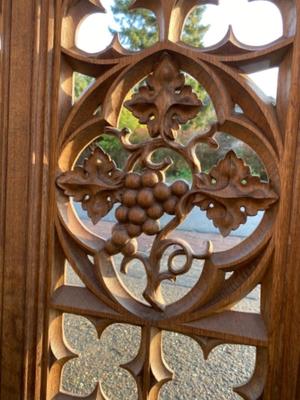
(149, 179)
(162, 191)
(170, 205)
(179, 188)
(155, 211)
(111, 248)
(151, 227)
(133, 181)
(129, 198)
(121, 213)
(137, 215)
(134, 230)
(130, 248)
(119, 235)
(145, 198)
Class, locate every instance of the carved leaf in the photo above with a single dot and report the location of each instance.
(95, 184)
(165, 102)
(229, 194)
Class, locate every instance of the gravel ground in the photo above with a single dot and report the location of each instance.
(195, 379)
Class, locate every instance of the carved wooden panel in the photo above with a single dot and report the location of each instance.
(228, 194)
(53, 180)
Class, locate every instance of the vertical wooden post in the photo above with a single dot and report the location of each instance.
(26, 56)
(284, 318)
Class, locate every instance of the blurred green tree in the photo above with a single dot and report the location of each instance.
(138, 29)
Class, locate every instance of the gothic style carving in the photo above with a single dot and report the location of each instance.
(95, 184)
(229, 193)
(141, 195)
(165, 102)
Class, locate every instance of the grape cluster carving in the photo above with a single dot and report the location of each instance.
(145, 199)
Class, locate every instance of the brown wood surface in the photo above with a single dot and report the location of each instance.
(26, 79)
(42, 134)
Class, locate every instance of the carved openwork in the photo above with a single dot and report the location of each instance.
(140, 195)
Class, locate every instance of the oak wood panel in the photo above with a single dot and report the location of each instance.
(42, 133)
(25, 136)
(284, 317)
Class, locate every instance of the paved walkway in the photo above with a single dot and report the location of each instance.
(195, 222)
(194, 238)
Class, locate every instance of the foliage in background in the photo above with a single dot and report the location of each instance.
(81, 83)
(138, 30)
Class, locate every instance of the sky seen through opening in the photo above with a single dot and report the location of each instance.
(248, 20)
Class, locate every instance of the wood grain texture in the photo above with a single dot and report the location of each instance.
(25, 136)
(42, 135)
(284, 315)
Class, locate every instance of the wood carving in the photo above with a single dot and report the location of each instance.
(95, 184)
(38, 58)
(165, 102)
(141, 195)
(229, 193)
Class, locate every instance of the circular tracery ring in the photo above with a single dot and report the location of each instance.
(163, 104)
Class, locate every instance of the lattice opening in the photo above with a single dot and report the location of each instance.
(242, 16)
(267, 82)
(135, 278)
(81, 83)
(176, 290)
(71, 278)
(99, 359)
(227, 366)
(90, 29)
(251, 303)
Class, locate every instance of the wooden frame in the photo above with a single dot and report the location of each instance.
(42, 133)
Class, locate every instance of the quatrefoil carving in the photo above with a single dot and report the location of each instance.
(228, 194)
